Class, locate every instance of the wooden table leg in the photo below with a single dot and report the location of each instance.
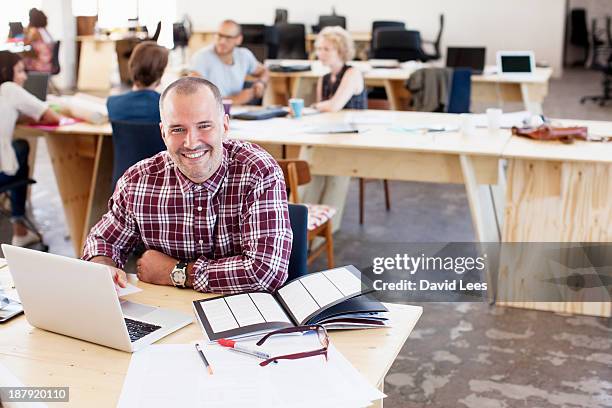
(73, 160)
(533, 96)
(482, 204)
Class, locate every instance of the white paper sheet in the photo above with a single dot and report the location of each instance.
(345, 280)
(219, 315)
(157, 372)
(299, 301)
(128, 290)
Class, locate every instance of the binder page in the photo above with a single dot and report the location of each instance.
(298, 300)
(269, 308)
(322, 289)
(344, 280)
(244, 310)
(219, 315)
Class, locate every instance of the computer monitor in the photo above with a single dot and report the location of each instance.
(15, 29)
(515, 62)
(37, 84)
(466, 57)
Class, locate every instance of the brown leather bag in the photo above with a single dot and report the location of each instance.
(547, 132)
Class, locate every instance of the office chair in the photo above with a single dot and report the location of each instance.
(124, 48)
(180, 37)
(384, 24)
(298, 260)
(329, 21)
(4, 194)
(132, 142)
(291, 41)
(254, 38)
(297, 173)
(281, 16)
(157, 32)
(579, 34)
(399, 44)
(460, 91)
(601, 61)
(436, 43)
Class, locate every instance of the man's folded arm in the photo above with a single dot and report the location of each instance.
(266, 245)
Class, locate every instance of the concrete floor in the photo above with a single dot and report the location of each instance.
(460, 354)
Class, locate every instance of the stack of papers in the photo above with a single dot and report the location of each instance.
(174, 375)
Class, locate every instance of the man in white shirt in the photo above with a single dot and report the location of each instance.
(226, 65)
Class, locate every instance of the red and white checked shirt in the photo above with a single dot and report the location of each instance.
(235, 225)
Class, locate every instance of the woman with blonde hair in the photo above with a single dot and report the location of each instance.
(343, 87)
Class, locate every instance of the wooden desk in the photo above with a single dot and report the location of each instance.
(95, 374)
(97, 59)
(560, 193)
(491, 88)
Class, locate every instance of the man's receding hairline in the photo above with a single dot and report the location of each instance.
(190, 86)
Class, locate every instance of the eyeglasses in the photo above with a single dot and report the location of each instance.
(227, 37)
(321, 333)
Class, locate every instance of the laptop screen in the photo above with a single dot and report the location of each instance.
(516, 63)
(466, 57)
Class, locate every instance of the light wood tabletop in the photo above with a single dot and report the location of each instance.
(95, 373)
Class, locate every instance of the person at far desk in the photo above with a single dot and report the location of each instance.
(211, 212)
(343, 87)
(226, 65)
(38, 37)
(146, 65)
(17, 104)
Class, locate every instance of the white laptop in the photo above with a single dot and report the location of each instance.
(78, 299)
(515, 63)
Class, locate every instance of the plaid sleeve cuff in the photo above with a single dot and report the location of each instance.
(199, 275)
(95, 248)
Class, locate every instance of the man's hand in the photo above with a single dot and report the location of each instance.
(155, 267)
(258, 89)
(119, 277)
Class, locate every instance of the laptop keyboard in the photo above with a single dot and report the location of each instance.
(138, 330)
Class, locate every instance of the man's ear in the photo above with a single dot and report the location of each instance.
(226, 126)
(239, 39)
(163, 133)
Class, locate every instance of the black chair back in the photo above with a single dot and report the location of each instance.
(298, 260)
(55, 64)
(133, 142)
(399, 44)
(376, 25)
(291, 41)
(281, 16)
(329, 21)
(254, 38)
(157, 32)
(180, 35)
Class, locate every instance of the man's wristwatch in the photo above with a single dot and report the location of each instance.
(178, 276)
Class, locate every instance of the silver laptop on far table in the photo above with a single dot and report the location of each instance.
(78, 299)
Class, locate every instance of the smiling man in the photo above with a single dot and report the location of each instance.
(211, 212)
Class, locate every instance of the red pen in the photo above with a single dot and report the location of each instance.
(232, 345)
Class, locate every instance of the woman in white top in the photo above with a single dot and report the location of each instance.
(17, 104)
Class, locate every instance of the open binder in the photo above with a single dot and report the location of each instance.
(334, 298)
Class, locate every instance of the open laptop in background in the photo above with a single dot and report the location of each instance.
(78, 299)
(466, 57)
(37, 84)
